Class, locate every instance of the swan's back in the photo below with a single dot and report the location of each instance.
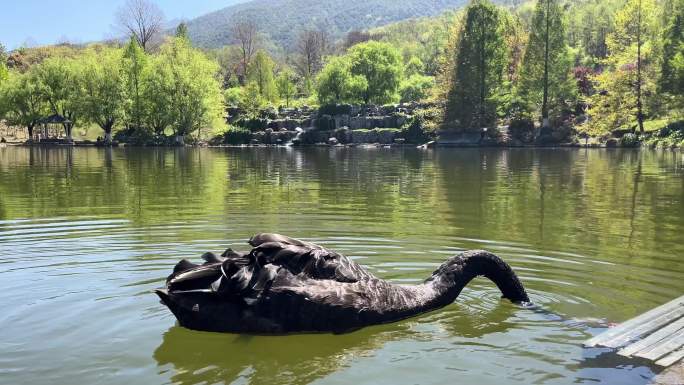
(247, 276)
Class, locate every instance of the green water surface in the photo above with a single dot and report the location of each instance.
(597, 237)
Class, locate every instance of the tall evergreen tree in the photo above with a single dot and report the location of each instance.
(672, 75)
(260, 71)
(286, 85)
(544, 81)
(134, 64)
(182, 31)
(479, 67)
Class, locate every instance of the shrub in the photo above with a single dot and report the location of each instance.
(416, 87)
(522, 129)
(414, 131)
(234, 96)
(237, 135)
(138, 137)
(335, 109)
(630, 140)
(252, 124)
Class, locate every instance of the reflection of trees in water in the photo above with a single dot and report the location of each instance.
(483, 193)
(300, 359)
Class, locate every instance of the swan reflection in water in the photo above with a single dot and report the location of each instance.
(201, 357)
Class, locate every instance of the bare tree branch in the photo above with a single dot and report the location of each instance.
(245, 35)
(312, 46)
(142, 19)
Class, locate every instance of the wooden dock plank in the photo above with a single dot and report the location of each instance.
(665, 346)
(671, 358)
(652, 339)
(646, 327)
(625, 330)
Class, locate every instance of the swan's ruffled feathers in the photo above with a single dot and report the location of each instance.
(274, 258)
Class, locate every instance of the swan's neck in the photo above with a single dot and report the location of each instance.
(447, 282)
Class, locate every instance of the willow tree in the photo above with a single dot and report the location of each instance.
(157, 95)
(59, 81)
(336, 84)
(380, 65)
(545, 81)
(103, 88)
(21, 101)
(479, 64)
(190, 80)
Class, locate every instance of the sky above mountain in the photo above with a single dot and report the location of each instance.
(40, 22)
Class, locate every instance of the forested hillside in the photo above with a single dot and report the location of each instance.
(282, 20)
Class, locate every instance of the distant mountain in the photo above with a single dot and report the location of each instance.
(282, 20)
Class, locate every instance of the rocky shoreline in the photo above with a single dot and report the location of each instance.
(403, 125)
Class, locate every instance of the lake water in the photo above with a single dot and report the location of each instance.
(86, 234)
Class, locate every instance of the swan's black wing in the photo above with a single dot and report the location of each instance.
(306, 258)
(275, 259)
(190, 277)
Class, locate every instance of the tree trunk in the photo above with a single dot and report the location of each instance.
(67, 129)
(30, 131)
(109, 125)
(545, 101)
(640, 107)
(180, 139)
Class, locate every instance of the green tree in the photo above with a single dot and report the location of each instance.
(414, 66)
(234, 95)
(286, 86)
(21, 101)
(672, 73)
(545, 81)
(103, 88)
(380, 65)
(336, 84)
(416, 87)
(252, 102)
(260, 71)
(633, 70)
(229, 59)
(60, 81)
(480, 60)
(589, 23)
(134, 64)
(4, 73)
(3, 54)
(157, 96)
(190, 81)
(182, 31)
(614, 108)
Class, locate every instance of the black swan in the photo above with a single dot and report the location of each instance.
(285, 285)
